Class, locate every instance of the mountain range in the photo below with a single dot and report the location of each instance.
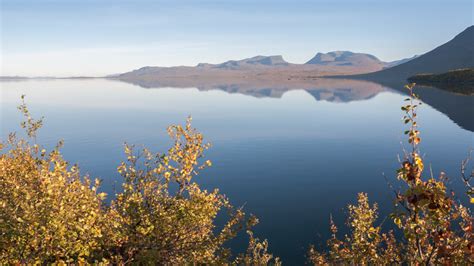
(455, 54)
(271, 76)
(271, 67)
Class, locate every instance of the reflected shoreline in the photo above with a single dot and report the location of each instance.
(322, 89)
(458, 107)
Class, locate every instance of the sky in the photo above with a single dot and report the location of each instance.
(101, 37)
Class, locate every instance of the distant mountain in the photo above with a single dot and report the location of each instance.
(261, 67)
(399, 62)
(264, 67)
(344, 58)
(347, 58)
(274, 60)
(13, 78)
(455, 54)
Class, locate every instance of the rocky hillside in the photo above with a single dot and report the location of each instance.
(458, 53)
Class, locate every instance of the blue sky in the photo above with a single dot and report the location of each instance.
(102, 37)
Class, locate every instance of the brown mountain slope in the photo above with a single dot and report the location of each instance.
(270, 68)
(345, 58)
(455, 54)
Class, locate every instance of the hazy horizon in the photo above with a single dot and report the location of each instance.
(74, 38)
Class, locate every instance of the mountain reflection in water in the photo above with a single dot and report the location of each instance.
(299, 152)
(459, 108)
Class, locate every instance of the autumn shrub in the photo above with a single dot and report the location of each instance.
(165, 217)
(50, 213)
(364, 245)
(435, 227)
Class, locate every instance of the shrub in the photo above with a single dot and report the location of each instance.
(436, 228)
(51, 214)
(48, 213)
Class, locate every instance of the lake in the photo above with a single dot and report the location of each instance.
(291, 156)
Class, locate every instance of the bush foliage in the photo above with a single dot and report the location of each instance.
(50, 213)
(436, 228)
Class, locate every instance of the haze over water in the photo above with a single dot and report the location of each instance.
(291, 161)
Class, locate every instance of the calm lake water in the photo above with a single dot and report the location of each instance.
(292, 156)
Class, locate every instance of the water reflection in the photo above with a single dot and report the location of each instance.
(458, 107)
(332, 90)
(290, 159)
